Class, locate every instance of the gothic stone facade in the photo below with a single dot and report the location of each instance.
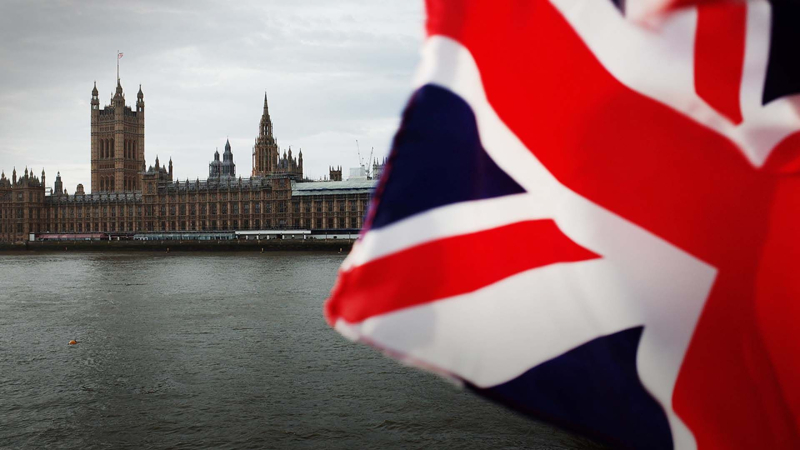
(117, 143)
(123, 200)
(266, 155)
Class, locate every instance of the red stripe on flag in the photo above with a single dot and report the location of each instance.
(449, 267)
(719, 57)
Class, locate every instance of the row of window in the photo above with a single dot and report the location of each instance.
(33, 196)
(200, 225)
(106, 148)
(213, 209)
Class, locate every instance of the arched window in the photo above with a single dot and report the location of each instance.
(112, 148)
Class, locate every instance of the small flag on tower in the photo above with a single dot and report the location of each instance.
(119, 55)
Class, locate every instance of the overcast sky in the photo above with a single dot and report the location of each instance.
(334, 71)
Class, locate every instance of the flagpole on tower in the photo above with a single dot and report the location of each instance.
(117, 66)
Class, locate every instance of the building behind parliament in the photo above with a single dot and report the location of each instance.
(128, 197)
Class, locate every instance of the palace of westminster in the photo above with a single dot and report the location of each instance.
(128, 197)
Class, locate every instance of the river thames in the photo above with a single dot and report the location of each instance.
(214, 350)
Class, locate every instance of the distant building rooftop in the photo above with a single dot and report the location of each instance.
(333, 187)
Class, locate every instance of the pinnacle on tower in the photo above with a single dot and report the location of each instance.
(94, 90)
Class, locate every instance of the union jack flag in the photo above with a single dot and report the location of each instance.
(596, 221)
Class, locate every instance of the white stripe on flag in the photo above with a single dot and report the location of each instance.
(450, 220)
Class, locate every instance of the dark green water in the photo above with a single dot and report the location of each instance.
(214, 351)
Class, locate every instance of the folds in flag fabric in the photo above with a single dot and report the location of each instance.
(596, 221)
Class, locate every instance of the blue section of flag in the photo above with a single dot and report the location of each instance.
(439, 155)
(783, 69)
(594, 388)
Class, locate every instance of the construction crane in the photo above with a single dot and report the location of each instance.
(369, 166)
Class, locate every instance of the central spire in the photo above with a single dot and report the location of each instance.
(266, 121)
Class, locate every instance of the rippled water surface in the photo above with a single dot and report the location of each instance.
(214, 351)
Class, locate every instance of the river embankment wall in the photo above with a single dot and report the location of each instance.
(333, 245)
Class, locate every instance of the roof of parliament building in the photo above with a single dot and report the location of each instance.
(333, 187)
